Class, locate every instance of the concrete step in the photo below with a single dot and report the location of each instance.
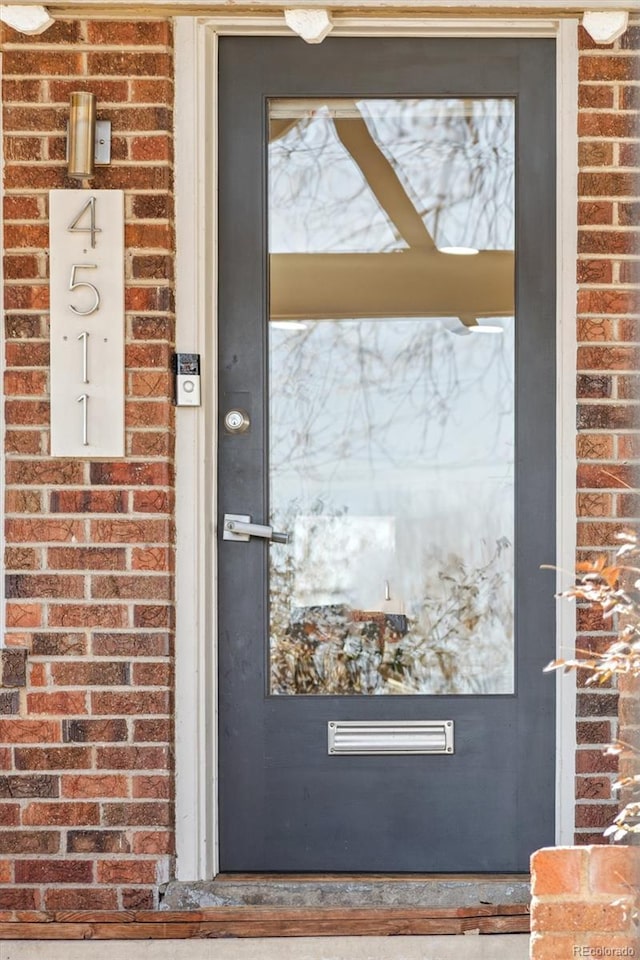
(357, 891)
(466, 947)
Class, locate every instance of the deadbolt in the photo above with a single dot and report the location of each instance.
(236, 421)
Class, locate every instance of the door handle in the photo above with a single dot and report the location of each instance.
(239, 527)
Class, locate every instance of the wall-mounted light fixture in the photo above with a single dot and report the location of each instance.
(88, 139)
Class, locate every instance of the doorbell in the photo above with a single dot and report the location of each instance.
(186, 367)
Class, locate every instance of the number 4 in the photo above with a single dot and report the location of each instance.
(73, 227)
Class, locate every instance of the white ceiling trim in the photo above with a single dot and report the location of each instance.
(458, 8)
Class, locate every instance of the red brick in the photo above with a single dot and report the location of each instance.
(130, 531)
(19, 898)
(143, 33)
(611, 301)
(595, 271)
(23, 615)
(68, 702)
(15, 268)
(30, 841)
(94, 731)
(601, 67)
(44, 472)
(81, 786)
(151, 328)
(43, 531)
(98, 841)
(594, 446)
(152, 383)
(613, 870)
(132, 474)
(613, 476)
(126, 871)
(153, 841)
(23, 441)
(89, 615)
(147, 731)
(88, 501)
(84, 673)
(24, 501)
(576, 916)
(17, 787)
(152, 674)
(148, 355)
(59, 644)
(27, 413)
(153, 615)
(137, 814)
(138, 898)
(152, 558)
(595, 212)
(152, 148)
(21, 207)
(594, 504)
(110, 586)
(593, 788)
(134, 702)
(29, 731)
(81, 899)
(106, 90)
(61, 814)
(613, 125)
(152, 786)
(9, 814)
(54, 871)
(132, 758)
(596, 533)
(148, 413)
(152, 501)
(123, 63)
(558, 870)
(22, 585)
(593, 732)
(610, 184)
(597, 96)
(151, 91)
(595, 814)
(86, 558)
(131, 644)
(52, 758)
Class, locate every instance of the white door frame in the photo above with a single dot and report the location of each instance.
(196, 43)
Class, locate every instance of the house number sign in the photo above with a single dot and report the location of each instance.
(86, 264)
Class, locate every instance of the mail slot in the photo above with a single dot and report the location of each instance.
(375, 737)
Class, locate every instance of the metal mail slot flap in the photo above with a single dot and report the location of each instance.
(375, 737)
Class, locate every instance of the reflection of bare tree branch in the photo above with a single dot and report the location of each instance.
(460, 641)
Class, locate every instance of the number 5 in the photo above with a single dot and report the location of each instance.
(74, 284)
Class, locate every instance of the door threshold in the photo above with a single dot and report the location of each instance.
(354, 891)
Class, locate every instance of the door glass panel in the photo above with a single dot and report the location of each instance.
(391, 365)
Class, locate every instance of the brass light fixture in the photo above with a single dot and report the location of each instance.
(88, 140)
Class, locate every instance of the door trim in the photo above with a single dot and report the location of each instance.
(196, 284)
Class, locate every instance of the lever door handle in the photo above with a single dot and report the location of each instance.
(239, 527)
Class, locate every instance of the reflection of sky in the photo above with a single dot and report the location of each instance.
(455, 160)
(399, 425)
(399, 419)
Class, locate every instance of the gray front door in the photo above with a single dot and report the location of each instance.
(387, 400)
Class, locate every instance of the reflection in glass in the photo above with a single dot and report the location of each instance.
(391, 416)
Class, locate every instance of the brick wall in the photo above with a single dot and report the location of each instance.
(86, 706)
(86, 713)
(608, 373)
(584, 901)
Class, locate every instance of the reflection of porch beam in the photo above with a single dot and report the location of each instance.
(413, 283)
(383, 181)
